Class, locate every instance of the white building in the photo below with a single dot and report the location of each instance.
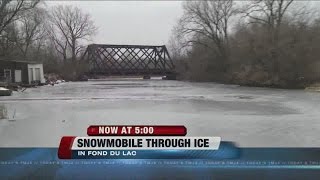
(26, 72)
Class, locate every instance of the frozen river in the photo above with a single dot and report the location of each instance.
(251, 117)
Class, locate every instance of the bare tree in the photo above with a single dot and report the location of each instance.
(207, 20)
(31, 30)
(7, 41)
(275, 43)
(10, 9)
(58, 41)
(269, 13)
(74, 26)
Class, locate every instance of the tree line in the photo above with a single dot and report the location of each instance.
(257, 42)
(33, 31)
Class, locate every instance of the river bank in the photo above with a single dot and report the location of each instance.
(256, 81)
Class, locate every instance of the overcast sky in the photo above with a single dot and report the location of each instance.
(136, 22)
(131, 22)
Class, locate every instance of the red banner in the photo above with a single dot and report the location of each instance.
(126, 130)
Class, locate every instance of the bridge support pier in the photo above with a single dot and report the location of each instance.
(146, 77)
(170, 77)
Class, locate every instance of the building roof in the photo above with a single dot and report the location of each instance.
(20, 61)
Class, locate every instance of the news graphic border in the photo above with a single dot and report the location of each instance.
(136, 130)
(160, 147)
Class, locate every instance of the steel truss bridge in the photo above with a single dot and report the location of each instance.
(106, 59)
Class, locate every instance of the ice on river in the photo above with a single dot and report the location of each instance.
(251, 117)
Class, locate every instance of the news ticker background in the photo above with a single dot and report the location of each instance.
(223, 159)
(228, 160)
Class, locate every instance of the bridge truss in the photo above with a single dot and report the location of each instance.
(128, 60)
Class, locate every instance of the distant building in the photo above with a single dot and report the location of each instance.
(21, 72)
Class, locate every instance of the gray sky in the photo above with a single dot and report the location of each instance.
(136, 22)
(130, 22)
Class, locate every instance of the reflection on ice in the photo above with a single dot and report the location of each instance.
(3, 112)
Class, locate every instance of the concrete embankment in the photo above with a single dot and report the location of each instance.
(314, 87)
